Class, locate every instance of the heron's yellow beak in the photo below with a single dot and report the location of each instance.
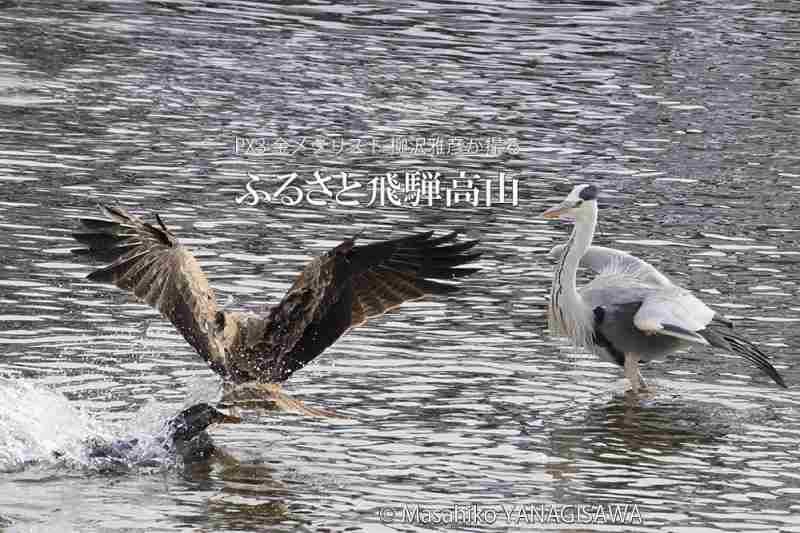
(556, 211)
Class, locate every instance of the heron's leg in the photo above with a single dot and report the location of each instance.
(642, 383)
(632, 371)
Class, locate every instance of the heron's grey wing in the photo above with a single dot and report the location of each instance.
(676, 313)
(671, 311)
(642, 318)
(605, 290)
(652, 321)
(601, 259)
(150, 262)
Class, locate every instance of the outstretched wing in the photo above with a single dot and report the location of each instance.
(665, 310)
(150, 262)
(349, 285)
(393, 272)
(676, 313)
(604, 260)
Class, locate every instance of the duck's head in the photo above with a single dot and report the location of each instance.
(192, 421)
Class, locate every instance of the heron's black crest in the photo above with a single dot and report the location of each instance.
(588, 193)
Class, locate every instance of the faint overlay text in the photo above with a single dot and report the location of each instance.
(406, 189)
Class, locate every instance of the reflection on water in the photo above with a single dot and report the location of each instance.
(684, 114)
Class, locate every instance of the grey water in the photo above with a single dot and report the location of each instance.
(684, 113)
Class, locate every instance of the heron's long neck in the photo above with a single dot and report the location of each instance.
(564, 294)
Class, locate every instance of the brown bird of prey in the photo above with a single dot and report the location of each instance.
(253, 353)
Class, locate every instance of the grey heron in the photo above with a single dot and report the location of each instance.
(629, 312)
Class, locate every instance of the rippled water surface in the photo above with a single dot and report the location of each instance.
(685, 114)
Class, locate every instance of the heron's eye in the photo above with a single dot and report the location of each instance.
(578, 203)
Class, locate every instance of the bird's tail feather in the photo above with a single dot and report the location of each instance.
(269, 397)
(723, 337)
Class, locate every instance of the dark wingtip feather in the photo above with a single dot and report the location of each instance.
(448, 237)
(449, 273)
(98, 224)
(435, 287)
(723, 337)
(417, 237)
(439, 262)
(752, 353)
(161, 223)
(100, 240)
(722, 320)
(101, 275)
(105, 255)
(452, 249)
(458, 260)
(117, 214)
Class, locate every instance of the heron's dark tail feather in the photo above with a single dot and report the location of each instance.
(722, 336)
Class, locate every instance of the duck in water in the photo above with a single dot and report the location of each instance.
(183, 436)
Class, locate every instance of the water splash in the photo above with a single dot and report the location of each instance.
(39, 426)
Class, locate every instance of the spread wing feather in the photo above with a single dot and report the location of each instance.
(351, 284)
(335, 292)
(149, 262)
